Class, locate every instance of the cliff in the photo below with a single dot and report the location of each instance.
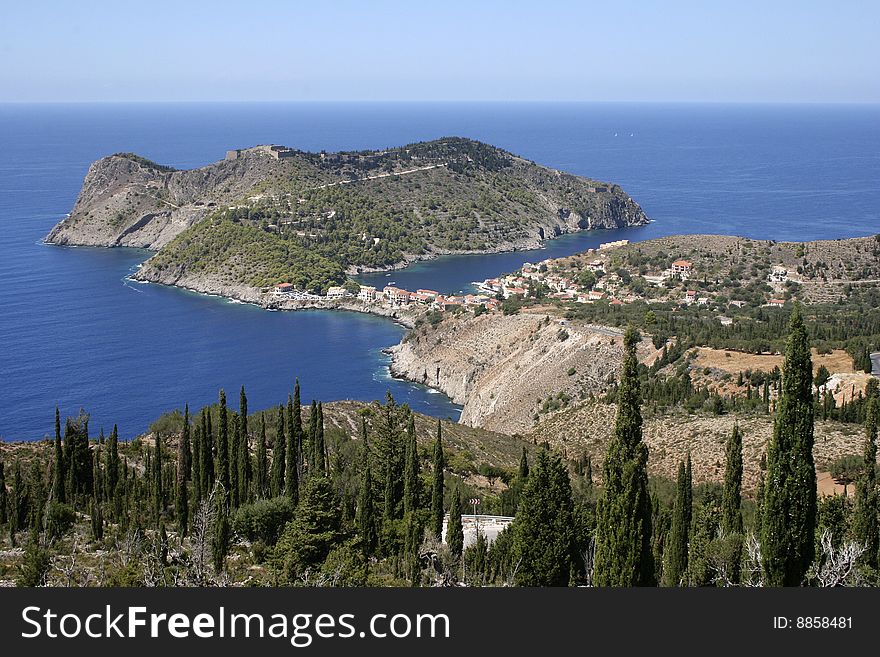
(262, 211)
(509, 371)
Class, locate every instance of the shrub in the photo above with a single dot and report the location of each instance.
(264, 520)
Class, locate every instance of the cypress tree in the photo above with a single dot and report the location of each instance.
(731, 504)
(455, 530)
(436, 482)
(234, 449)
(59, 475)
(223, 446)
(543, 530)
(158, 495)
(320, 446)
(411, 480)
(182, 501)
(865, 521)
(220, 537)
(311, 450)
(675, 553)
(207, 453)
(689, 489)
(789, 513)
(523, 473)
(261, 480)
(623, 543)
(279, 455)
(244, 456)
(111, 465)
(388, 428)
(3, 496)
(366, 513)
(197, 463)
(296, 432)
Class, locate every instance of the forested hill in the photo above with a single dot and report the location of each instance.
(270, 214)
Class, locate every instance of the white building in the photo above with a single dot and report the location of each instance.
(489, 526)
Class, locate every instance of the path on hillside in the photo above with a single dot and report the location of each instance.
(378, 175)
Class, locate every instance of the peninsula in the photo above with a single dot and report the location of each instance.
(271, 215)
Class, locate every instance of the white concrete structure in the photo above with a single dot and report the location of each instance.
(490, 526)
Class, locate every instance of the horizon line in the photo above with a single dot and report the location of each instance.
(441, 101)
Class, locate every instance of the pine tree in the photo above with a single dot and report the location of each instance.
(261, 481)
(223, 446)
(455, 529)
(366, 513)
(411, 472)
(866, 528)
(675, 553)
(623, 544)
(731, 506)
(59, 475)
(436, 482)
(789, 512)
(314, 531)
(182, 501)
(543, 530)
(279, 455)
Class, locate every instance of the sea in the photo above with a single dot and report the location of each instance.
(77, 334)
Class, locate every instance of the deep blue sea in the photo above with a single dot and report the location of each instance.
(75, 333)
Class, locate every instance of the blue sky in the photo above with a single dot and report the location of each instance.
(687, 50)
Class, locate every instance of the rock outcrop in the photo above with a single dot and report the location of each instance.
(507, 371)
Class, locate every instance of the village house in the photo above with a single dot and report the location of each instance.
(429, 293)
(703, 301)
(725, 321)
(682, 268)
(368, 293)
(595, 295)
(689, 297)
(396, 296)
(776, 303)
(421, 297)
(778, 274)
(336, 292)
(284, 288)
(596, 265)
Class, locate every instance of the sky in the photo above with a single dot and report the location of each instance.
(450, 50)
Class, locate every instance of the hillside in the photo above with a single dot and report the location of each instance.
(268, 214)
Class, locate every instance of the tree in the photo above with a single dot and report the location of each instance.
(111, 465)
(318, 441)
(366, 513)
(523, 472)
(223, 446)
(866, 527)
(543, 529)
(3, 496)
(313, 436)
(675, 552)
(623, 542)
(788, 515)
(731, 504)
(207, 454)
(295, 443)
(261, 480)
(220, 536)
(437, 484)
(244, 458)
(391, 454)
(158, 492)
(411, 479)
(182, 501)
(309, 537)
(279, 456)
(455, 530)
(59, 476)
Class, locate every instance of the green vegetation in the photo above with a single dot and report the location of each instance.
(145, 162)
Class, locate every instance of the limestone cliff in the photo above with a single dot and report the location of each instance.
(507, 371)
